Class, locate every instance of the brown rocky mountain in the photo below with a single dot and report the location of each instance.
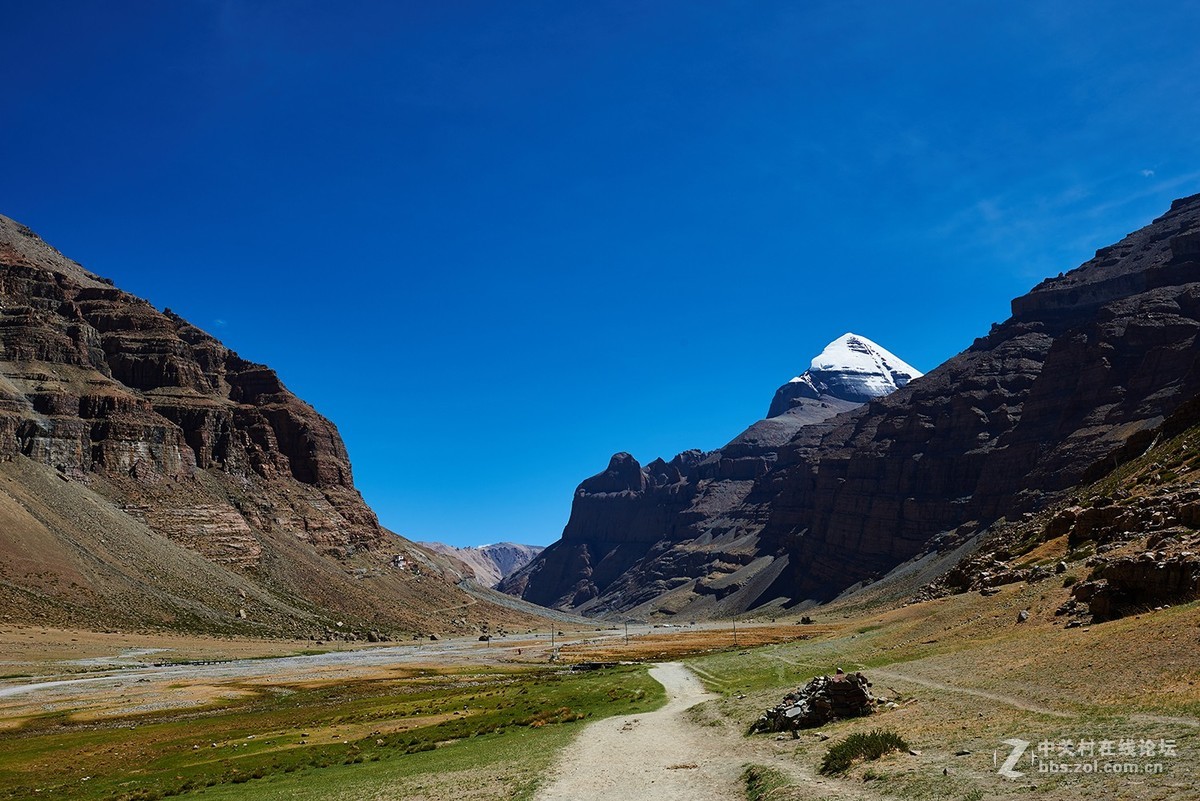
(640, 535)
(151, 476)
(1080, 379)
(488, 564)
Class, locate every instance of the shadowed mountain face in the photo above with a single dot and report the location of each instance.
(1087, 367)
(152, 476)
(638, 532)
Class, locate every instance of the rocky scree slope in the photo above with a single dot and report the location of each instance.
(671, 534)
(1128, 543)
(1084, 373)
(151, 476)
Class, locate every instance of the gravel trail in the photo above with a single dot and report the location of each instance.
(660, 755)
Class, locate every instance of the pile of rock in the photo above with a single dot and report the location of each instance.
(822, 700)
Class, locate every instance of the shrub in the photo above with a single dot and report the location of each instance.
(761, 782)
(871, 745)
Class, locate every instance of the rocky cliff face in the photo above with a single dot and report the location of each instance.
(637, 533)
(175, 442)
(488, 564)
(1088, 364)
(1082, 374)
(94, 381)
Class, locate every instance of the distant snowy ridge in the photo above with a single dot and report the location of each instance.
(851, 368)
(487, 564)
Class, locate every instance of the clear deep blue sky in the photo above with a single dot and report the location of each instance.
(495, 242)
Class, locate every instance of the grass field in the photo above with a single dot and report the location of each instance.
(321, 740)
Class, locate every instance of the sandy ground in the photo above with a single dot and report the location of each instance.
(111, 676)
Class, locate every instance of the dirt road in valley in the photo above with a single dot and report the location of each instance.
(660, 755)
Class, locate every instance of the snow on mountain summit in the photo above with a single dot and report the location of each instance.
(851, 368)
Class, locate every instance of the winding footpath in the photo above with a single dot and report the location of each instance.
(660, 755)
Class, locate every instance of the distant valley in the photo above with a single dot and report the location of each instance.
(488, 564)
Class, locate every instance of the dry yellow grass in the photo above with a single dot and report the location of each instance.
(668, 644)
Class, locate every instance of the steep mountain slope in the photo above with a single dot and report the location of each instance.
(151, 476)
(1088, 365)
(1081, 376)
(672, 533)
(488, 564)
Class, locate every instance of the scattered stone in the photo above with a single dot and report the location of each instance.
(1023, 615)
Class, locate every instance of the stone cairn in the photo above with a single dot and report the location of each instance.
(822, 700)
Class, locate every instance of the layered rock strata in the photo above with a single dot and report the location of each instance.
(151, 476)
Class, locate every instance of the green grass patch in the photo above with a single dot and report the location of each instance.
(762, 782)
(309, 733)
(868, 746)
(509, 765)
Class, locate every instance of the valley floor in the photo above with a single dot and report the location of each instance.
(464, 720)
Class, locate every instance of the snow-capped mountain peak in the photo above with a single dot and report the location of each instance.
(851, 368)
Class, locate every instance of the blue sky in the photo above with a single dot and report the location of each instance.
(497, 242)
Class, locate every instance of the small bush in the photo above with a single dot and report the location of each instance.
(871, 745)
(1069, 580)
(762, 781)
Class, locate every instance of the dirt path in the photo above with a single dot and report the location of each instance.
(1019, 703)
(660, 755)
